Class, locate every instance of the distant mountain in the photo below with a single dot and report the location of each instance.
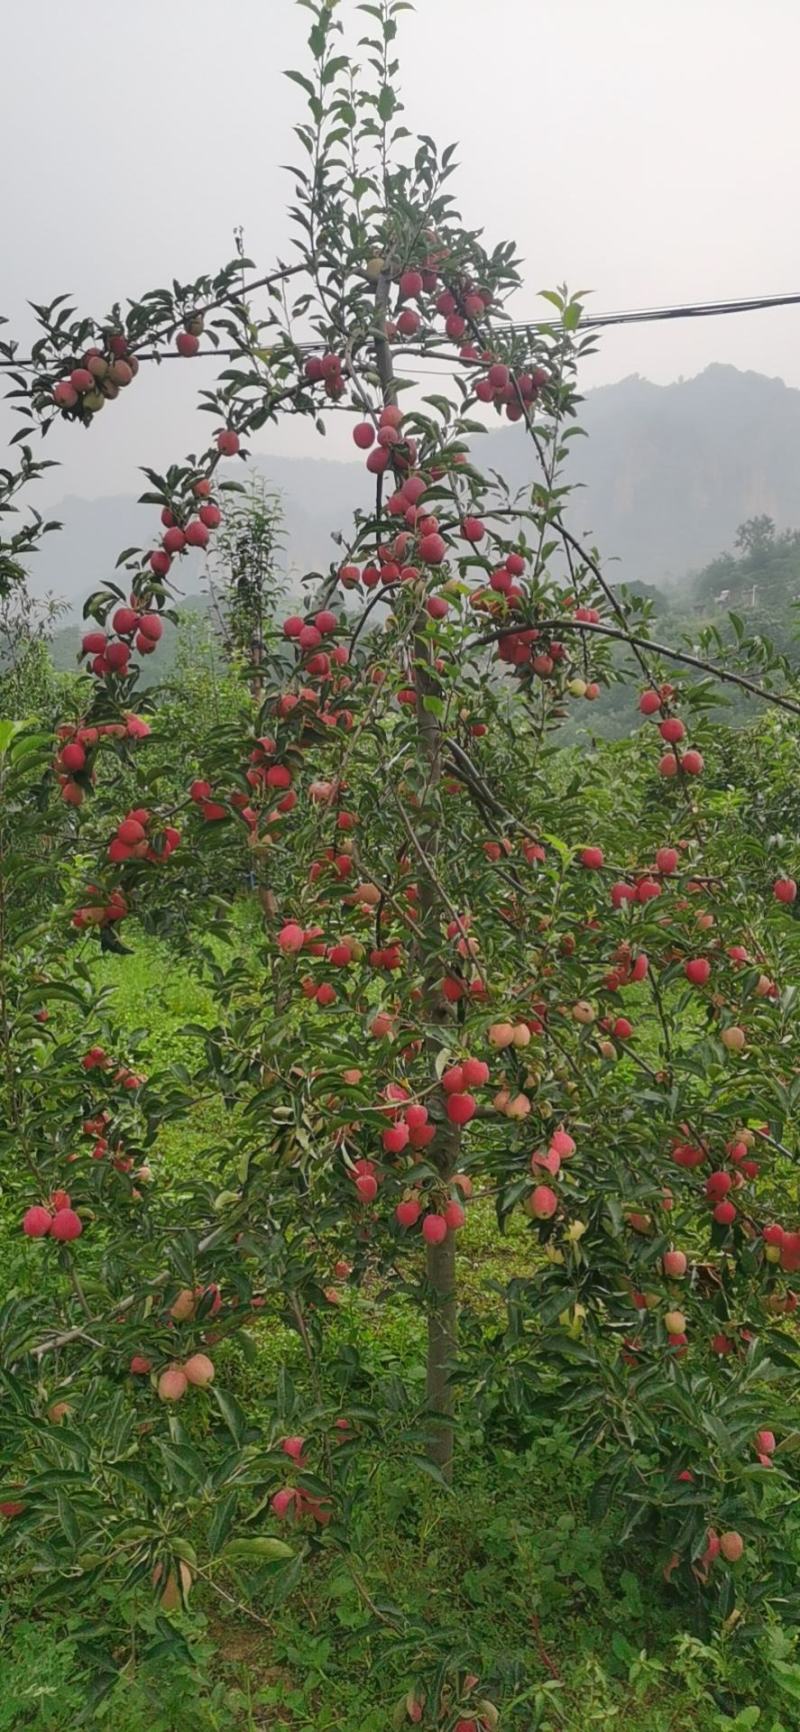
(670, 471)
(666, 475)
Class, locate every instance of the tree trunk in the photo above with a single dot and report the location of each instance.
(442, 1341)
(442, 1309)
(441, 1259)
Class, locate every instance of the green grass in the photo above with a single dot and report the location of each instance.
(561, 1631)
(154, 994)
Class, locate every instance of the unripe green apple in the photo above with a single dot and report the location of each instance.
(675, 1322)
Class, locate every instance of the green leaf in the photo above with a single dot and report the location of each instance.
(68, 1519)
(232, 1413)
(185, 1467)
(261, 1547)
(387, 102)
(433, 1472)
(219, 1526)
(304, 83)
(137, 1475)
(7, 732)
(444, 407)
(335, 65)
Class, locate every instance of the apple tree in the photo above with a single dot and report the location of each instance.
(484, 966)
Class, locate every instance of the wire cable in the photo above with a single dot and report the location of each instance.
(589, 321)
(693, 310)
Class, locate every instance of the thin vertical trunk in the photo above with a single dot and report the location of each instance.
(442, 1345)
(441, 1259)
(442, 1307)
(256, 659)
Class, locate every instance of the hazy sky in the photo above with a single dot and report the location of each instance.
(646, 149)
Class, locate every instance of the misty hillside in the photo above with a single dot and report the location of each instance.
(671, 470)
(667, 473)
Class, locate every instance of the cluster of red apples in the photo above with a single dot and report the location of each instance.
(99, 377)
(56, 1218)
(75, 759)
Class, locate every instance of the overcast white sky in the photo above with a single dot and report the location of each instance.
(646, 149)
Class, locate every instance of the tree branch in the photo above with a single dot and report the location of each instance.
(617, 633)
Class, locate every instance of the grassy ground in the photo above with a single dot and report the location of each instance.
(566, 1633)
